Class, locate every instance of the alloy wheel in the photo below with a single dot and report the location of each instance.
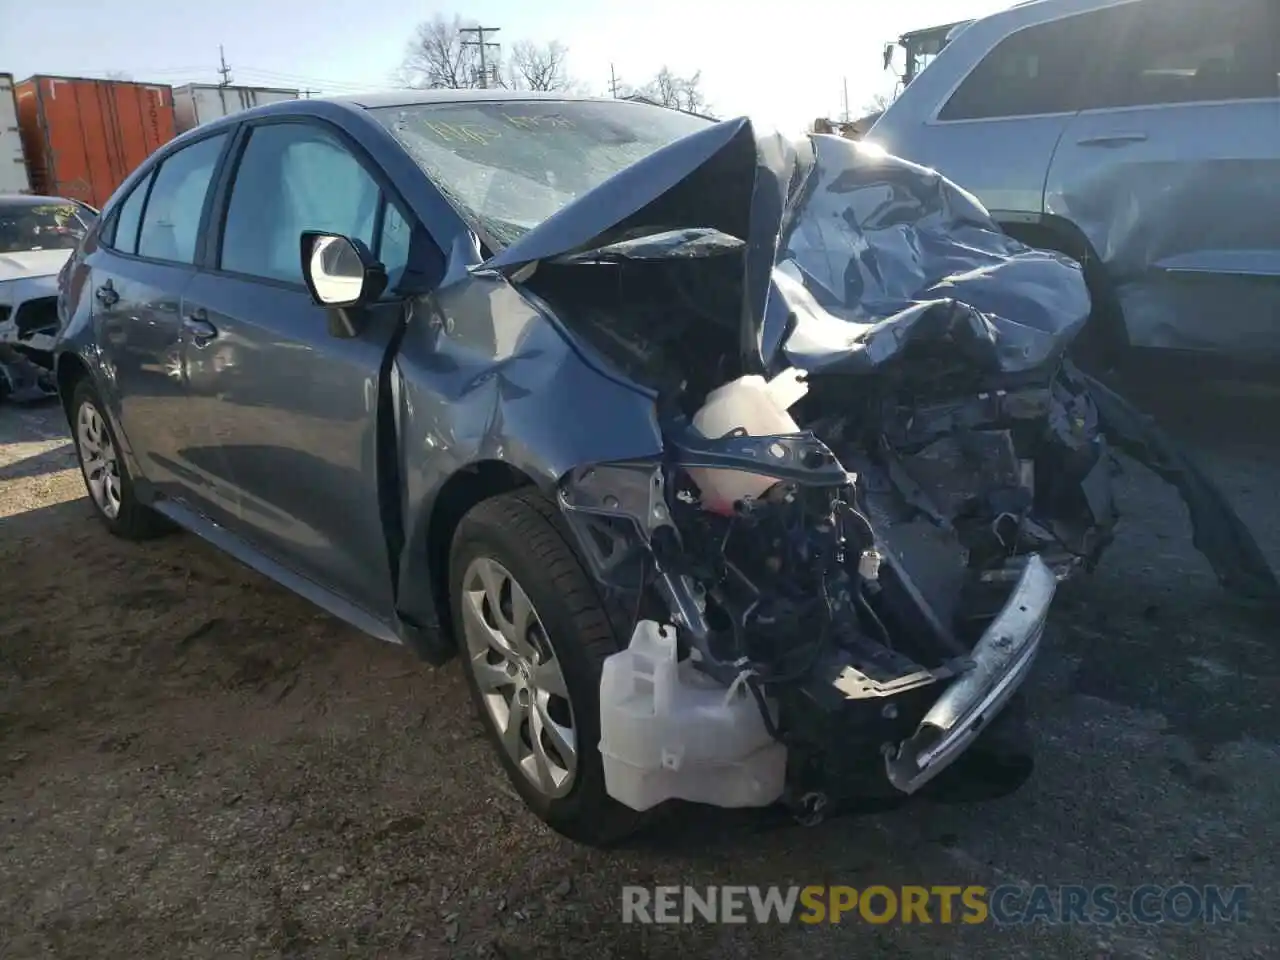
(99, 460)
(519, 677)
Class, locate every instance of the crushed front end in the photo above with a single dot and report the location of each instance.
(877, 466)
(810, 626)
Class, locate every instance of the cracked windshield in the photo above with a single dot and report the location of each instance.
(509, 166)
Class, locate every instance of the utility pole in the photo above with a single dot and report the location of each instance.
(846, 99)
(613, 83)
(484, 46)
(223, 68)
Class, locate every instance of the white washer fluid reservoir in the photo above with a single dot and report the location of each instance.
(668, 731)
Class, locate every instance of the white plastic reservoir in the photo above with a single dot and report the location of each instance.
(669, 732)
(760, 408)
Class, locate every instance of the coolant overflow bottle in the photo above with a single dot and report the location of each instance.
(757, 407)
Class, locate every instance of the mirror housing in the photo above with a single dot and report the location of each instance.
(340, 272)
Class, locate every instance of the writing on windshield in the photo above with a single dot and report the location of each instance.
(507, 166)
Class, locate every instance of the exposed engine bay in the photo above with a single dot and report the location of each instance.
(875, 607)
(878, 465)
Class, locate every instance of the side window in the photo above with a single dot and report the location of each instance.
(1039, 69)
(171, 222)
(124, 235)
(294, 177)
(1185, 51)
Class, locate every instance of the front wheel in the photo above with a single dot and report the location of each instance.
(533, 638)
(106, 476)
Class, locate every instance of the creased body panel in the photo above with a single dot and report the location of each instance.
(903, 255)
(487, 378)
(1178, 203)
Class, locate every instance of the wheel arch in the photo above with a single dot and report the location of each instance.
(426, 559)
(68, 370)
(1106, 334)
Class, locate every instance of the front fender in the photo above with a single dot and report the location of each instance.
(486, 376)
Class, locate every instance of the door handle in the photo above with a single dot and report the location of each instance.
(198, 325)
(106, 294)
(1112, 139)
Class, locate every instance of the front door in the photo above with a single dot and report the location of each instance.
(292, 407)
(1174, 174)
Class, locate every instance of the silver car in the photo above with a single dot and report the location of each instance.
(1141, 137)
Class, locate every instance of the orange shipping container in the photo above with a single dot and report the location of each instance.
(83, 137)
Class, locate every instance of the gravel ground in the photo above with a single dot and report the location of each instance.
(195, 763)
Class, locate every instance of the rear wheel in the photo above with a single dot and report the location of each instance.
(533, 638)
(106, 476)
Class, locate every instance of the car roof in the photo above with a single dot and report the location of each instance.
(410, 97)
(373, 100)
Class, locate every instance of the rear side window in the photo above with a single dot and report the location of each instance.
(1189, 51)
(1039, 69)
(125, 232)
(171, 221)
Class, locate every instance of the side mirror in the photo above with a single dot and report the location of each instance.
(888, 55)
(340, 272)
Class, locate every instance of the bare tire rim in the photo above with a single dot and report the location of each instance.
(98, 458)
(519, 677)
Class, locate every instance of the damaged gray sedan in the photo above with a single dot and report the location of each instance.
(737, 470)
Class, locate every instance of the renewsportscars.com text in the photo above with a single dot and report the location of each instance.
(945, 904)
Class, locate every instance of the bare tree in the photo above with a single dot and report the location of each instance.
(536, 66)
(438, 57)
(877, 103)
(680, 93)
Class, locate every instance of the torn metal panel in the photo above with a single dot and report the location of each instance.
(1218, 532)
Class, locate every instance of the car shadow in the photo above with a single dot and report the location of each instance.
(41, 522)
(61, 457)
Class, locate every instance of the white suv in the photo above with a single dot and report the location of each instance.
(1141, 137)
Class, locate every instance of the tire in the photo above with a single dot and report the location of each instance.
(106, 475)
(518, 532)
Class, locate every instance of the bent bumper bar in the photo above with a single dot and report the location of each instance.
(1002, 658)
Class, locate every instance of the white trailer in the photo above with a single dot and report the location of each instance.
(13, 162)
(198, 103)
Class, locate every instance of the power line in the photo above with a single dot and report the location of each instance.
(484, 46)
(275, 76)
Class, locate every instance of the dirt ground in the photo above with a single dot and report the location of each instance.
(195, 763)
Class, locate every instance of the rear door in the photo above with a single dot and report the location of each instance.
(1173, 173)
(137, 277)
(293, 409)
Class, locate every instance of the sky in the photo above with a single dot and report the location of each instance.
(782, 63)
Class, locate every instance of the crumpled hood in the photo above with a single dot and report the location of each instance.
(721, 179)
(881, 256)
(851, 258)
(32, 263)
